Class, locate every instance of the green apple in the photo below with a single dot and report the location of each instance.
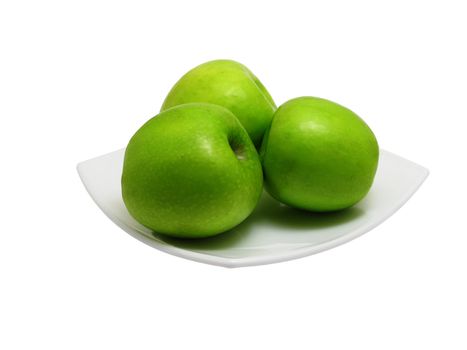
(318, 155)
(231, 85)
(191, 171)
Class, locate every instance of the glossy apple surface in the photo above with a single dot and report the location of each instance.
(229, 84)
(191, 171)
(318, 155)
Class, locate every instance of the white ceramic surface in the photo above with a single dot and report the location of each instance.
(274, 232)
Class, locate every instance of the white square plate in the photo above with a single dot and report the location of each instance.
(274, 232)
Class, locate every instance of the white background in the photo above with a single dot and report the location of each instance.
(78, 78)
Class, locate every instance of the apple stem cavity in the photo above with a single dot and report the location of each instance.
(237, 149)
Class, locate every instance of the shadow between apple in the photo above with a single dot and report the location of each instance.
(273, 212)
